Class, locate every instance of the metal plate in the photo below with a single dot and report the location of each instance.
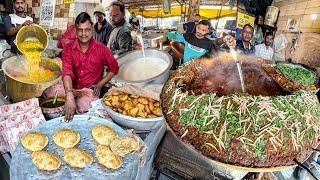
(22, 167)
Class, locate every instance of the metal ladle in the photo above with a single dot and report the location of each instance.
(55, 97)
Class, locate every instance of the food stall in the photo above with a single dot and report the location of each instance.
(230, 116)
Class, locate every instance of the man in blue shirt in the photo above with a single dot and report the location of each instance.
(197, 44)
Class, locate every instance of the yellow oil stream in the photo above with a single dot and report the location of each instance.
(32, 50)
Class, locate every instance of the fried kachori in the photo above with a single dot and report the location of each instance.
(124, 146)
(103, 134)
(107, 158)
(34, 141)
(66, 138)
(45, 160)
(133, 105)
(76, 157)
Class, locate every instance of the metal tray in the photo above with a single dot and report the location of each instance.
(22, 167)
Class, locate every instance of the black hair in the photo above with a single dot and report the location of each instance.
(83, 17)
(268, 34)
(97, 12)
(118, 4)
(16, 0)
(205, 22)
(248, 25)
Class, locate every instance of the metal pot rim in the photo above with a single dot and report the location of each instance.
(152, 78)
(4, 66)
(45, 100)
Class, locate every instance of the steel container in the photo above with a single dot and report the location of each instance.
(32, 32)
(138, 124)
(133, 55)
(19, 90)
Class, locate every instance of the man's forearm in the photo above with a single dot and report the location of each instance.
(70, 106)
(106, 79)
(14, 30)
(67, 83)
(175, 36)
(219, 41)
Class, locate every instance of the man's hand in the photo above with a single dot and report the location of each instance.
(264, 61)
(96, 90)
(230, 41)
(26, 23)
(164, 37)
(79, 93)
(97, 87)
(70, 108)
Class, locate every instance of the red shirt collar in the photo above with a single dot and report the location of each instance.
(76, 45)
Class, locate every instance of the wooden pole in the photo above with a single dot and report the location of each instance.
(194, 6)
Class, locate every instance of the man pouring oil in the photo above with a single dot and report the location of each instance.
(83, 63)
(14, 22)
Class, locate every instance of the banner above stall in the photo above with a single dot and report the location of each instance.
(244, 19)
(205, 13)
(68, 1)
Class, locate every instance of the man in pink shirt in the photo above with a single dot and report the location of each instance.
(83, 63)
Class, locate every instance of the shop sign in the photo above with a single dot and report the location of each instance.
(244, 19)
(47, 12)
(167, 6)
(68, 1)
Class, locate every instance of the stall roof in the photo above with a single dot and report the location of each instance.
(139, 3)
(207, 13)
(210, 9)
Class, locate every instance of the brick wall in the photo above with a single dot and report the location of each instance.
(306, 51)
(64, 13)
(300, 10)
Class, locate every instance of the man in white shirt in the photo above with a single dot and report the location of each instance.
(134, 21)
(14, 22)
(265, 50)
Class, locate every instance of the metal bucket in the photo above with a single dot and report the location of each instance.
(32, 32)
(19, 90)
(271, 16)
(129, 57)
(153, 39)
